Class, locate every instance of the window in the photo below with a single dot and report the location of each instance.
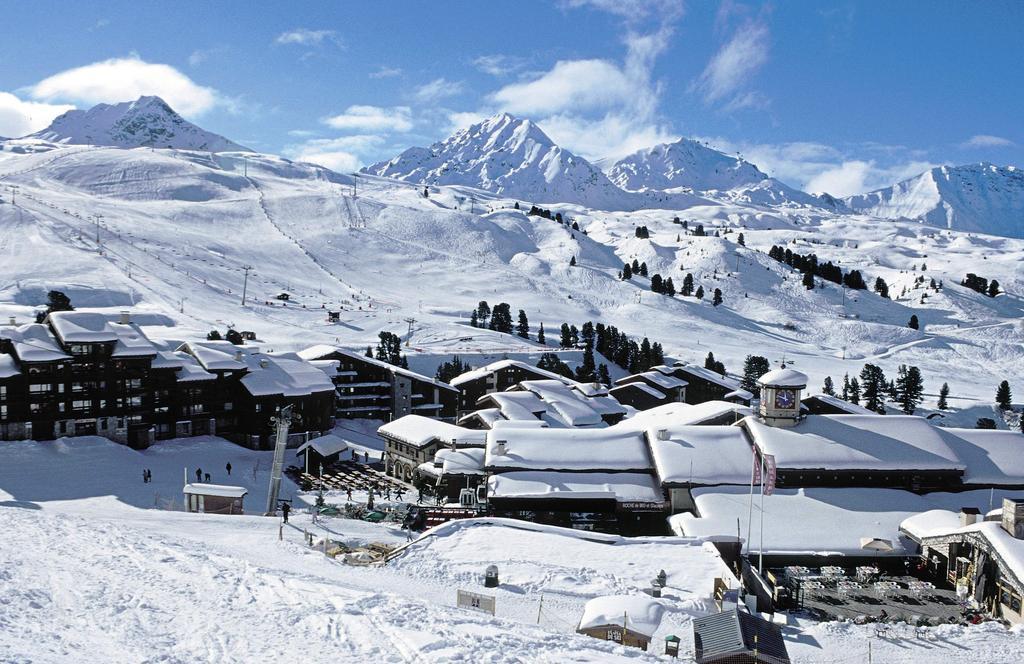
(40, 388)
(228, 405)
(3, 391)
(3, 412)
(81, 404)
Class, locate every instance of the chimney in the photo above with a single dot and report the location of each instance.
(12, 322)
(1013, 517)
(238, 356)
(264, 363)
(662, 434)
(125, 318)
(969, 516)
(500, 447)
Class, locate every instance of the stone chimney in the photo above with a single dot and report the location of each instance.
(238, 356)
(12, 321)
(969, 516)
(1013, 517)
(125, 318)
(662, 434)
(500, 447)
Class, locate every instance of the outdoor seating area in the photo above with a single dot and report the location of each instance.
(357, 477)
(865, 593)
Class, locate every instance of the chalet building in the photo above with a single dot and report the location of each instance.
(215, 498)
(629, 620)
(454, 471)
(983, 556)
(369, 388)
(413, 440)
(707, 385)
(495, 377)
(82, 373)
(557, 403)
(650, 389)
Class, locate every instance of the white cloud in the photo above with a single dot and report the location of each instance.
(735, 63)
(19, 117)
(610, 137)
(344, 154)
(437, 89)
(306, 37)
(633, 10)
(124, 79)
(461, 119)
(372, 118)
(386, 72)
(570, 84)
(987, 141)
(848, 178)
(498, 65)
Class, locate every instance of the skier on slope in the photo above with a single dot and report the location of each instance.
(228, 468)
(199, 474)
(285, 509)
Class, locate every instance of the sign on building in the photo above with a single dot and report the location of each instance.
(770, 474)
(475, 601)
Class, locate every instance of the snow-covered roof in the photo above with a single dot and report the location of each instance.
(710, 376)
(464, 461)
(992, 457)
(286, 374)
(34, 343)
(487, 416)
(783, 378)
(420, 431)
(321, 351)
(856, 442)
(681, 414)
(324, 445)
(516, 405)
(222, 490)
(217, 355)
(500, 365)
(8, 367)
(701, 455)
(841, 404)
(621, 487)
(643, 387)
(567, 449)
(638, 613)
(86, 327)
(190, 370)
(552, 391)
(659, 378)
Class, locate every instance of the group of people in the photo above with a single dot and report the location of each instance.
(383, 491)
(147, 474)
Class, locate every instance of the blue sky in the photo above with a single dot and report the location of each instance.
(841, 97)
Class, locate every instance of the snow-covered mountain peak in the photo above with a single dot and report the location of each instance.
(146, 122)
(980, 197)
(510, 156)
(685, 163)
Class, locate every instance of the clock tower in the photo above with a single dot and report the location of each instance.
(780, 396)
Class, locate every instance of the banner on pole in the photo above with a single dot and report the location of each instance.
(756, 477)
(770, 474)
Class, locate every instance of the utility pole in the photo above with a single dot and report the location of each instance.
(97, 218)
(281, 421)
(354, 186)
(245, 282)
(245, 167)
(14, 192)
(410, 321)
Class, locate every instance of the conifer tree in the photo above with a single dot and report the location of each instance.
(635, 266)
(717, 297)
(656, 284)
(943, 394)
(854, 392)
(873, 382)
(909, 388)
(914, 324)
(669, 288)
(700, 293)
(845, 396)
(474, 320)
(483, 312)
(587, 372)
(572, 262)
(523, 328)
(754, 366)
(540, 335)
(740, 241)
(566, 337)
(603, 376)
(808, 280)
(881, 287)
(627, 272)
(827, 387)
(643, 269)
(687, 285)
(1004, 398)
(369, 352)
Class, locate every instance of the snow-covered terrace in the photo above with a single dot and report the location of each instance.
(493, 367)
(567, 450)
(856, 442)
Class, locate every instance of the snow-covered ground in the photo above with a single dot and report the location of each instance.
(94, 572)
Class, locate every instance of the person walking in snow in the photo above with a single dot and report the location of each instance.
(285, 508)
(348, 494)
(149, 476)
(207, 478)
(145, 477)
(199, 474)
(228, 468)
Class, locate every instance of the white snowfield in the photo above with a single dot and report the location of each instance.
(93, 573)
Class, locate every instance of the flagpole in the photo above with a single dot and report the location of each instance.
(760, 553)
(750, 511)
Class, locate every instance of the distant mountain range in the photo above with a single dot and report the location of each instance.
(513, 157)
(145, 122)
(982, 198)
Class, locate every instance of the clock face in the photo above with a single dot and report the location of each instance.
(785, 399)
